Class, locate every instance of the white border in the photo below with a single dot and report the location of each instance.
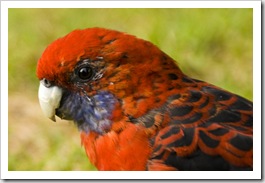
(255, 174)
(130, 4)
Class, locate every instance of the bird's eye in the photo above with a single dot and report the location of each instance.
(85, 73)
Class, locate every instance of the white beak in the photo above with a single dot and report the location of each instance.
(49, 98)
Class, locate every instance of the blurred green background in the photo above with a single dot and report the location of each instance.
(214, 45)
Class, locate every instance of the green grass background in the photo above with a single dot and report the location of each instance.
(214, 45)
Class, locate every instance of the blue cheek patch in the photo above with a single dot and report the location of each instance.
(89, 113)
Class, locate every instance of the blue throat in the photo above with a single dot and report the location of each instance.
(89, 113)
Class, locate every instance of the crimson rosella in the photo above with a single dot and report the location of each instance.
(135, 108)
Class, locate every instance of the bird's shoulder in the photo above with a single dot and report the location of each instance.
(205, 123)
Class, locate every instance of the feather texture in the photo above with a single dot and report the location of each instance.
(137, 110)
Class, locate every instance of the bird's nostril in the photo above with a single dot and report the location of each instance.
(46, 82)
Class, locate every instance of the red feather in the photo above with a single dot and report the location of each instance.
(160, 119)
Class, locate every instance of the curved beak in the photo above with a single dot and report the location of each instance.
(49, 98)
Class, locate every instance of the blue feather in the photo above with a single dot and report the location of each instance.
(89, 113)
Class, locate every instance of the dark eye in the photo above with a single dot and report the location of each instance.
(85, 73)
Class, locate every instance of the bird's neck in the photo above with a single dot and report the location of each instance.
(128, 149)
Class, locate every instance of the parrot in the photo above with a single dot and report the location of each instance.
(137, 111)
